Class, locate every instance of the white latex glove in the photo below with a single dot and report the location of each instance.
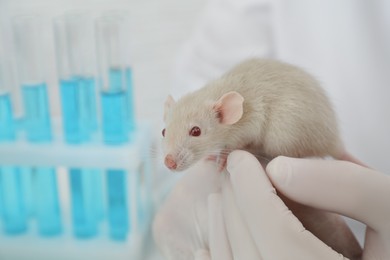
(180, 228)
(256, 224)
(245, 219)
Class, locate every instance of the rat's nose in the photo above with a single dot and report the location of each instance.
(170, 163)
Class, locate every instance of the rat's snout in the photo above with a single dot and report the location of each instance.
(170, 162)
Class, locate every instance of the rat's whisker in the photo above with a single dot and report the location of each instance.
(155, 153)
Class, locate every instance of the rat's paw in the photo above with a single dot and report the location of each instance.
(220, 160)
(212, 158)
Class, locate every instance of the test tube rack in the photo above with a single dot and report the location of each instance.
(132, 157)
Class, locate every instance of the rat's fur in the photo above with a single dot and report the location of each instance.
(286, 112)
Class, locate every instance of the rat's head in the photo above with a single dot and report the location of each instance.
(195, 127)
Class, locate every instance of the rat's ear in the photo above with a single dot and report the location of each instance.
(230, 108)
(169, 102)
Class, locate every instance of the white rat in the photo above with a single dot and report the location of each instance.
(266, 107)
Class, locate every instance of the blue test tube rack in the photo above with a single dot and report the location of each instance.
(131, 158)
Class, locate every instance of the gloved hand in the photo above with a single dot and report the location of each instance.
(258, 225)
(245, 219)
(180, 227)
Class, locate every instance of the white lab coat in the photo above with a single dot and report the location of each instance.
(344, 44)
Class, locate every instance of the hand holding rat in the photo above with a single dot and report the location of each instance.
(247, 220)
(257, 223)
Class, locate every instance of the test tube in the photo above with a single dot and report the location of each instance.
(117, 111)
(74, 37)
(13, 208)
(115, 75)
(30, 57)
(29, 35)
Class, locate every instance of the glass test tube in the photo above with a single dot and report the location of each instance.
(30, 56)
(74, 38)
(117, 111)
(12, 199)
(74, 35)
(115, 75)
(29, 33)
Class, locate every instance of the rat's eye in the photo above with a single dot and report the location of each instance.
(163, 132)
(195, 131)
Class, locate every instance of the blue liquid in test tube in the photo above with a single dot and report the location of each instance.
(83, 213)
(11, 189)
(7, 124)
(47, 208)
(118, 217)
(118, 106)
(14, 211)
(37, 118)
(75, 129)
(122, 79)
(38, 128)
(75, 111)
(79, 108)
(115, 112)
